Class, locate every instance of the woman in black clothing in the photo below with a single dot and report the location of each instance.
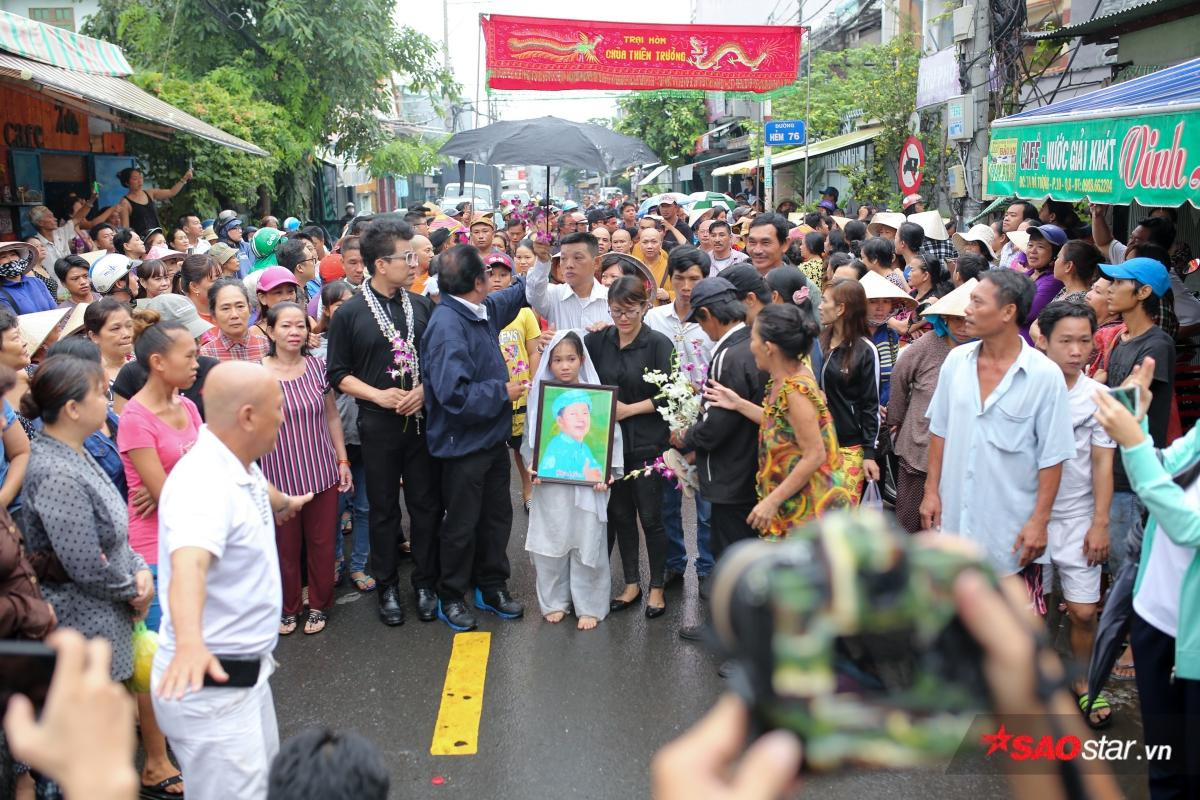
(622, 353)
(850, 378)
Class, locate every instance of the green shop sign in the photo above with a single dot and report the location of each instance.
(1154, 160)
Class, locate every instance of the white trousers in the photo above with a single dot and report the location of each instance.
(225, 739)
(565, 582)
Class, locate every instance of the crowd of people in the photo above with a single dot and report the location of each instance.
(211, 417)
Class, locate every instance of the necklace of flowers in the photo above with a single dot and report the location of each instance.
(404, 351)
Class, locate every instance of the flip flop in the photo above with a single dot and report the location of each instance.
(1100, 704)
(1116, 676)
(158, 791)
(364, 584)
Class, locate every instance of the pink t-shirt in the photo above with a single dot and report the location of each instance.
(140, 427)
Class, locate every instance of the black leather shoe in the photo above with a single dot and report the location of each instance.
(616, 604)
(391, 610)
(672, 576)
(499, 603)
(456, 615)
(427, 603)
(654, 612)
(692, 633)
(702, 586)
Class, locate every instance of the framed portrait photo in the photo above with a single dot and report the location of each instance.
(574, 437)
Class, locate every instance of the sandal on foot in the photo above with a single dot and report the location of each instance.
(364, 582)
(287, 624)
(528, 504)
(1117, 676)
(158, 791)
(317, 620)
(1100, 704)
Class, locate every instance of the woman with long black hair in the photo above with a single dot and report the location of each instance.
(850, 377)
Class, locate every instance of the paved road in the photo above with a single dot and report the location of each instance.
(565, 713)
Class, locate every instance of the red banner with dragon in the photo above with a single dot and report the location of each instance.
(558, 54)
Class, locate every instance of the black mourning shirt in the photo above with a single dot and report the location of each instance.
(358, 347)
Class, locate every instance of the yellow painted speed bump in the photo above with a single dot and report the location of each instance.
(456, 732)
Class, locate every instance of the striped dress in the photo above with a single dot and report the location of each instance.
(303, 459)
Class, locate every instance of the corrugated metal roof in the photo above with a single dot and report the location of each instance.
(1170, 90)
(1112, 13)
(119, 94)
(63, 48)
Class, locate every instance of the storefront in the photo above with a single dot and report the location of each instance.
(1132, 142)
(66, 107)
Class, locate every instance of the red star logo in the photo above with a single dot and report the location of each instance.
(997, 741)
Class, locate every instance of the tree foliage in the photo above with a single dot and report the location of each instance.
(326, 64)
(404, 156)
(223, 177)
(877, 84)
(668, 125)
(293, 76)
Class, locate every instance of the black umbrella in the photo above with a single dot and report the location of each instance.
(1111, 630)
(552, 142)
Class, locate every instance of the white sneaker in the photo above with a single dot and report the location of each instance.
(684, 472)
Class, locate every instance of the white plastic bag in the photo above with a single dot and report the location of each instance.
(871, 498)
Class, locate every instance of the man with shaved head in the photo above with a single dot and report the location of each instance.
(221, 590)
(418, 276)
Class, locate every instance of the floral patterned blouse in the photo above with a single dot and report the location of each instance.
(778, 454)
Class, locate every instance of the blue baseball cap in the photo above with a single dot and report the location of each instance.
(1143, 270)
(1051, 233)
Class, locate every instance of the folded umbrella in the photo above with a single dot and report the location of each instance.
(1111, 630)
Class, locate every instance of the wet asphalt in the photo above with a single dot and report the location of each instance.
(566, 713)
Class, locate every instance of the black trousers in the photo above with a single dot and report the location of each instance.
(728, 524)
(1170, 713)
(389, 453)
(474, 537)
(629, 500)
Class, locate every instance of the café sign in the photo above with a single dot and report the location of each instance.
(1154, 160)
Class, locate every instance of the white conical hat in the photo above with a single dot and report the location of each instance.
(75, 321)
(35, 327)
(878, 287)
(953, 304)
(931, 223)
(977, 233)
(842, 222)
(890, 219)
(1020, 239)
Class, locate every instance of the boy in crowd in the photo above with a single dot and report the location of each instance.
(1077, 536)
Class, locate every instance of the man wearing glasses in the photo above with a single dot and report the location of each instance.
(363, 339)
(300, 257)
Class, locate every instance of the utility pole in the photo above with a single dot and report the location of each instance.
(980, 98)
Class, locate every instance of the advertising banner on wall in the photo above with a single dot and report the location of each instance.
(1154, 160)
(558, 54)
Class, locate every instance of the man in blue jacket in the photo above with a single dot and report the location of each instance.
(468, 402)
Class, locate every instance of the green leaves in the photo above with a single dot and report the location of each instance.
(324, 69)
(668, 125)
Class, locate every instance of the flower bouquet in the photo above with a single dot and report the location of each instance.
(683, 389)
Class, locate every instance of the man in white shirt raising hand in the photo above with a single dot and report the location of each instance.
(580, 301)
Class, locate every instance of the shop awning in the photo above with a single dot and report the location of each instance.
(60, 47)
(72, 88)
(815, 149)
(1132, 141)
(653, 176)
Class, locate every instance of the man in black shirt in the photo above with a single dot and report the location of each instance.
(676, 230)
(1138, 285)
(385, 378)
